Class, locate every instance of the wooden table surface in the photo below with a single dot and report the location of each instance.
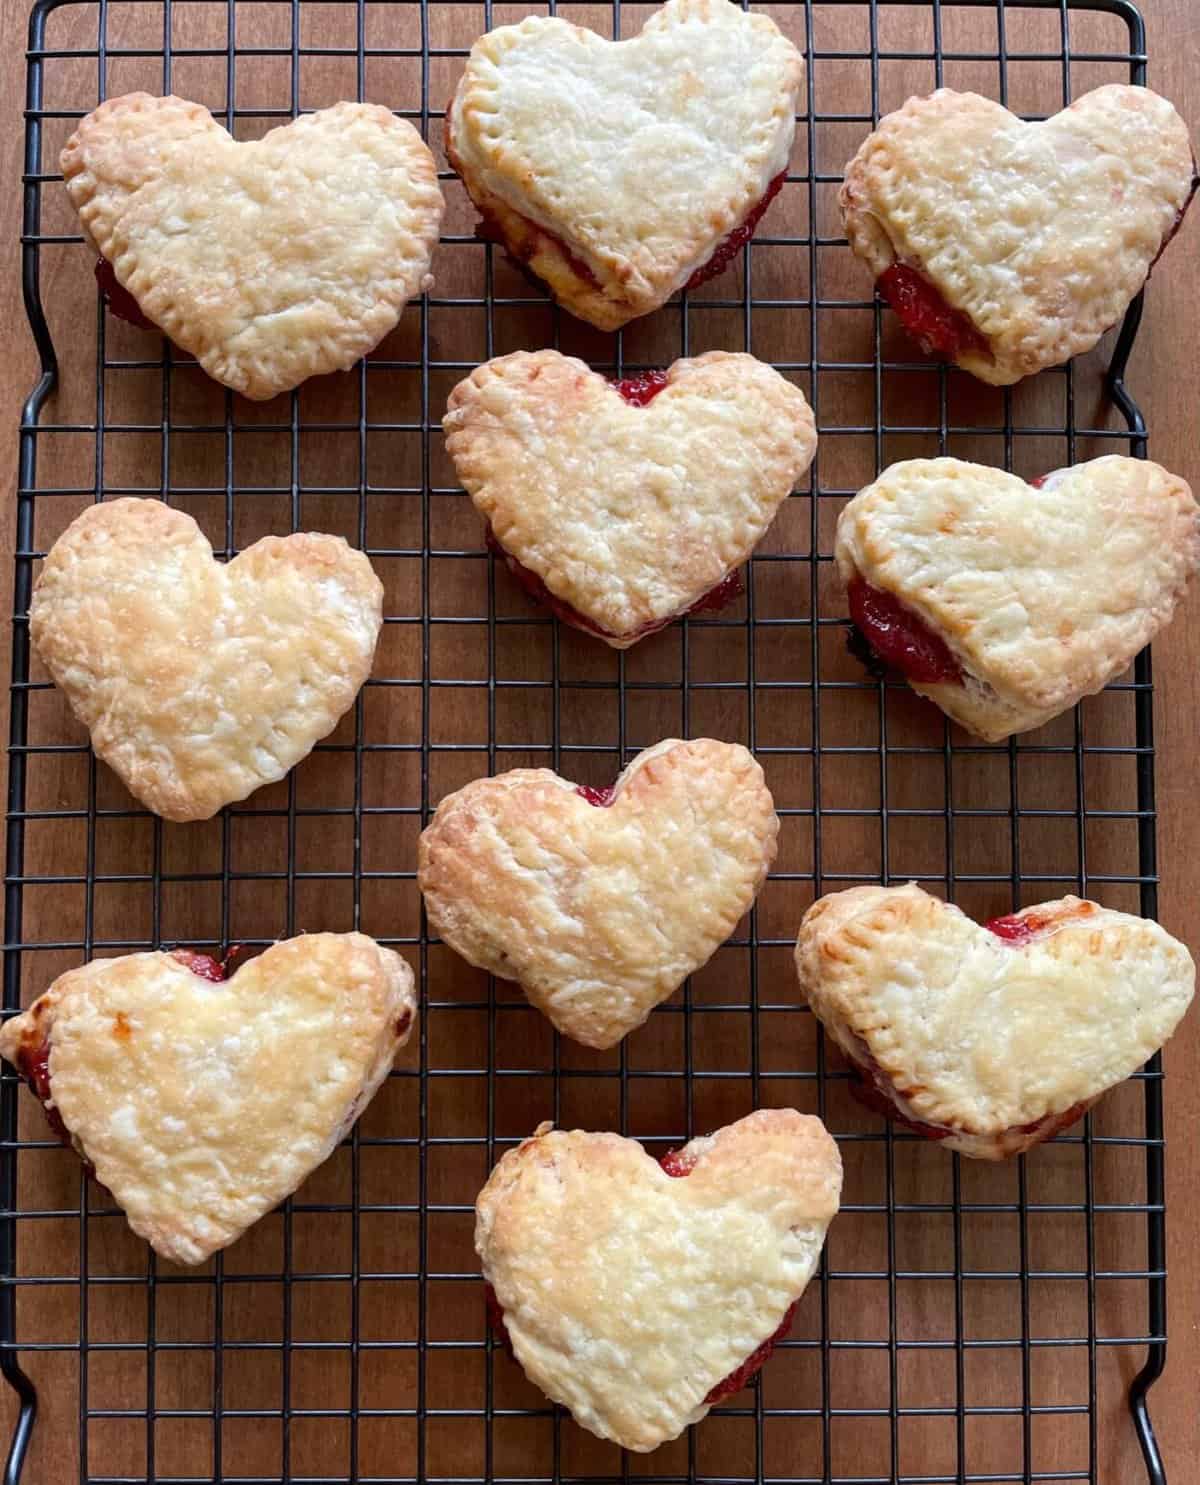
(1163, 376)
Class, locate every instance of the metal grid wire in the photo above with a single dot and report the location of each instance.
(970, 1323)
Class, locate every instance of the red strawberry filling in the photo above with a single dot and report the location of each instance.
(1023, 928)
(729, 588)
(643, 388)
(601, 798)
(205, 965)
(900, 638)
(729, 248)
(937, 328)
(118, 298)
(534, 239)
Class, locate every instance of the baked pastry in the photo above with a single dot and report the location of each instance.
(272, 260)
(625, 505)
(637, 1300)
(1007, 246)
(202, 1101)
(600, 902)
(989, 1039)
(664, 152)
(199, 680)
(1004, 602)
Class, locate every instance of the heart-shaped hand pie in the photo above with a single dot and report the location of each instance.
(638, 1294)
(199, 680)
(600, 903)
(989, 1039)
(199, 1101)
(1006, 246)
(623, 515)
(1006, 603)
(664, 152)
(271, 260)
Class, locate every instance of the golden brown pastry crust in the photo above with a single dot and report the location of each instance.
(1041, 234)
(1043, 595)
(199, 681)
(272, 260)
(981, 1035)
(201, 1105)
(600, 913)
(629, 514)
(628, 1294)
(662, 145)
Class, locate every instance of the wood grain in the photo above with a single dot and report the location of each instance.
(1164, 378)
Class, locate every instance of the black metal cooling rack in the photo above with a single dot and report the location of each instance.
(344, 1338)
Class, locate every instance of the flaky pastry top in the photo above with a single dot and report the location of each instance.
(270, 260)
(629, 1294)
(981, 1034)
(1044, 594)
(629, 514)
(661, 144)
(201, 1105)
(1041, 233)
(200, 680)
(600, 913)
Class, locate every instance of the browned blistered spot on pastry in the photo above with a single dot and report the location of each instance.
(948, 522)
(121, 1027)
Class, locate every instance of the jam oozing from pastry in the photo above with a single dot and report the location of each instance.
(118, 298)
(873, 1089)
(900, 638)
(643, 388)
(536, 237)
(679, 1163)
(729, 588)
(601, 798)
(1022, 928)
(937, 328)
(204, 965)
(731, 246)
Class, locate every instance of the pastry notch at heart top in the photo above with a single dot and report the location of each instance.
(628, 514)
(600, 903)
(662, 146)
(1009, 246)
(271, 260)
(200, 680)
(636, 1293)
(990, 1038)
(1004, 602)
(202, 1102)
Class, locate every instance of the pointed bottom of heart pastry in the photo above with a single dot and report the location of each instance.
(678, 1163)
(120, 301)
(526, 240)
(899, 638)
(872, 1088)
(732, 245)
(727, 590)
(938, 329)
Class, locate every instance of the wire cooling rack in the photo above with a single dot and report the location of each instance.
(970, 1322)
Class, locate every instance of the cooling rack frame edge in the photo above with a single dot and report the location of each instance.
(15, 1377)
